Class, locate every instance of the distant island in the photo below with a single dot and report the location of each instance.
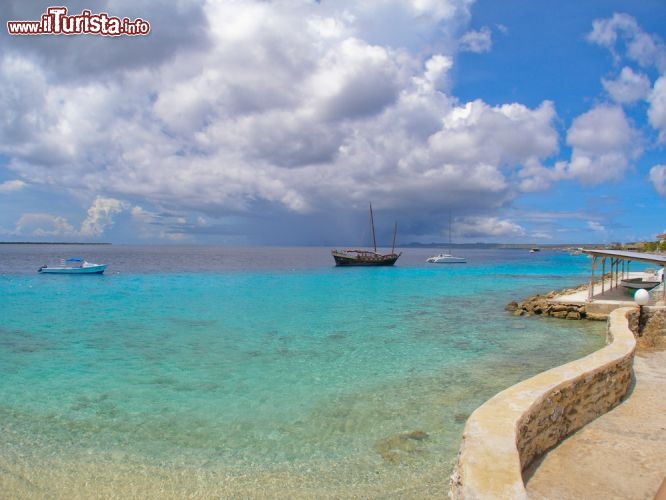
(641, 246)
(501, 245)
(49, 243)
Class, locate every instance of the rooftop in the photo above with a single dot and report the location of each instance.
(653, 258)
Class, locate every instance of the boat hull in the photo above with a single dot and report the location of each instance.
(633, 284)
(368, 259)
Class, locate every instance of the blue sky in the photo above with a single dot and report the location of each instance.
(259, 123)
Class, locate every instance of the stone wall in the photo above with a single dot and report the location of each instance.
(565, 410)
(649, 327)
(504, 435)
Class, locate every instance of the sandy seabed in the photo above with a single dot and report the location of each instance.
(54, 479)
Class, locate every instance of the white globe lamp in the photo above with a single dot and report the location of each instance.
(642, 297)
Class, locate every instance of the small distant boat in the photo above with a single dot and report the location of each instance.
(446, 258)
(367, 257)
(535, 250)
(74, 265)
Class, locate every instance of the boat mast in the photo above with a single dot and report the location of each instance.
(395, 230)
(372, 223)
(449, 231)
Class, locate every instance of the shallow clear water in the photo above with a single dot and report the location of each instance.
(266, 359)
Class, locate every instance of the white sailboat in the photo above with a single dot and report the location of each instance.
(446, 258)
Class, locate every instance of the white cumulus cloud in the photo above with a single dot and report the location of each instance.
(622, 31)
(629, 87)
(658, 178)
(596, 226)
(604, 144)
(509, 134)
(11, 186)
(100, 215)
(473, 227)
(657, 110)
(44, 225)
(477, 41)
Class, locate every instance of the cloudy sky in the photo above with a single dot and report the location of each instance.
(277, 122)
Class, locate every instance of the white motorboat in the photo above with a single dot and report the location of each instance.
(74, 265)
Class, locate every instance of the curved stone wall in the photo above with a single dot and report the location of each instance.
(506, 433)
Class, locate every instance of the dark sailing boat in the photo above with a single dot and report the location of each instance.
(367, 257)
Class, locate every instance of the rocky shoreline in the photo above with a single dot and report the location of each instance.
(649, 328)
(543, 305)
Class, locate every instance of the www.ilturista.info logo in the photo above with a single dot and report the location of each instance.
(56, 22)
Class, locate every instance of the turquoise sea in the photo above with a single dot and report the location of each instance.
(188, 371)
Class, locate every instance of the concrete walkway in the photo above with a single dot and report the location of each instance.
(620, 455)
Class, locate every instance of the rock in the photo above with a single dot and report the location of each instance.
(395, 449)
(542, 305)
(460, 418)
(511, 306)
(418, 435)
